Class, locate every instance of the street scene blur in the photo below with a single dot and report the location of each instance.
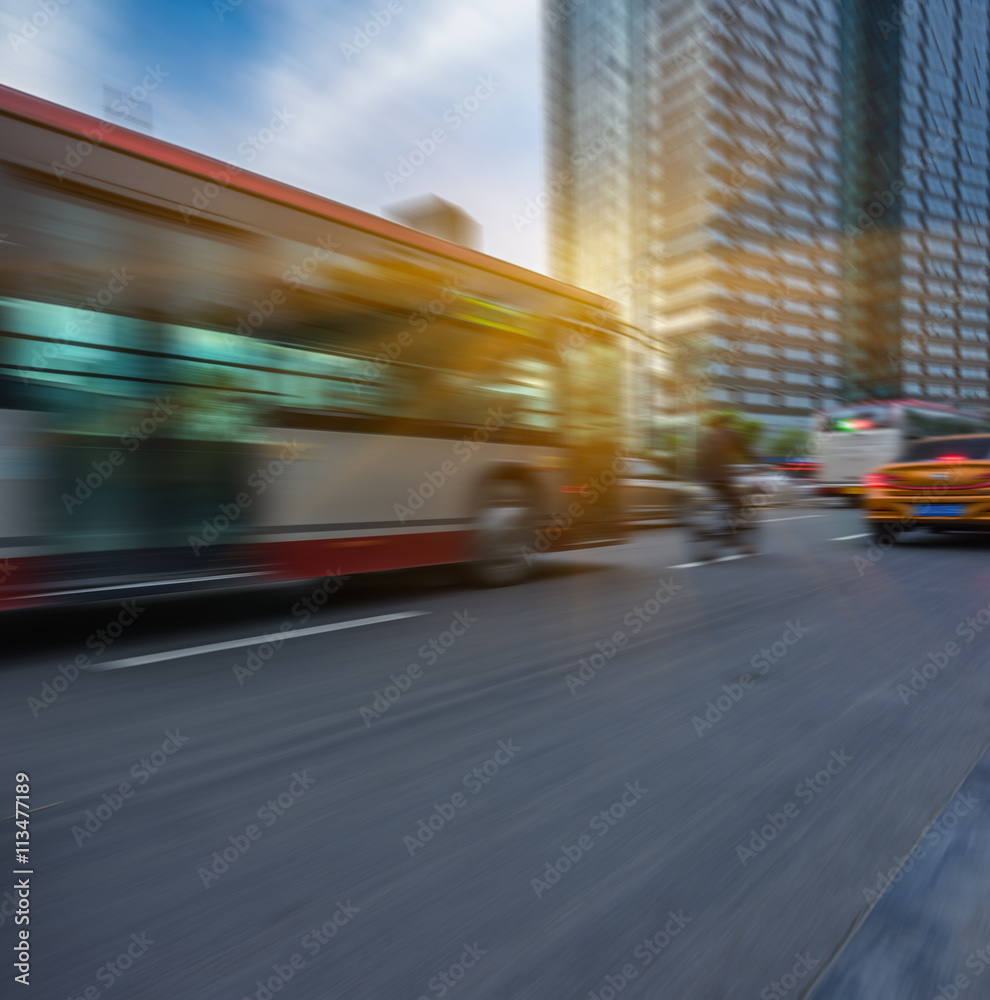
(495, 499)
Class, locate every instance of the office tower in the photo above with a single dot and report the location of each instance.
(915, 141)
(714, 204)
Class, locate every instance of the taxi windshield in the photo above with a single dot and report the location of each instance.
(959, 449)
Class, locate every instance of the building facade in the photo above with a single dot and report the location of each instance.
(915, 182)
(731, 171)
(719, 196)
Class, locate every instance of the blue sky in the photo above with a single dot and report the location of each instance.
(459, 81)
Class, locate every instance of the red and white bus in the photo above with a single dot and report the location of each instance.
(208, 378)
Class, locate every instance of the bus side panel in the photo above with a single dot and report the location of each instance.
(362, 503)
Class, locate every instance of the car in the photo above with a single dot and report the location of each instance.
(767, 486)
(653, 494)
(940, 483)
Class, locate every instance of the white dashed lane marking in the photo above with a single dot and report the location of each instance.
(254, 640)
(708, 562)
(799, 517)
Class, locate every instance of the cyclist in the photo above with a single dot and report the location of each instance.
(722, 447)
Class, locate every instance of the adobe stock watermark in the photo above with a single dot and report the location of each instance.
(706, 37)
(98, 641)
(263, 309)
(248, 149)
(761, 662)
(929, 670)
(647, 951)
(303, 609)
(961, 805)
(697, 382)
(110, 972)
(643, 272)
(475, 781)
(455, 116)
(602, 822)
(312, 943)
(608, 649)
(883, 200)
(447, 978)
(418, 320)
(559, 10)
(223, 7)
(779, 988)
(806, 791)
(113, 802)
(588, 153)
(95, 137)
(429, 653)
(784, 127)
(132, 440)
(753, 501)
(967, 629)
(241, 843)
(365, 34)
(899, 14)
(46, 11)
(435, 479)
(977, 962)
(259, 481)
(892, 531)
(590, 492)
(40, 359)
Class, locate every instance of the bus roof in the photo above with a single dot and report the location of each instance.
(18, 105)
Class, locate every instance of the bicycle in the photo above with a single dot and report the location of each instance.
(715, 523)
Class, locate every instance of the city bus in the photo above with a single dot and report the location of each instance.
(211, 379)
(854, 439)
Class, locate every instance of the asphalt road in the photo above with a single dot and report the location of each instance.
(698, 811)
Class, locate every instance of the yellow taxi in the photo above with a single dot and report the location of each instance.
(938, 483)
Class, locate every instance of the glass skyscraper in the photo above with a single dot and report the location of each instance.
(716, 210)
(916, 140)
(715, 167)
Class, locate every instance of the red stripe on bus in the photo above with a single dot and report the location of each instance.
(276, 561)
(372, 554)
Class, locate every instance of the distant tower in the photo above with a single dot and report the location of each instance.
(432, 215)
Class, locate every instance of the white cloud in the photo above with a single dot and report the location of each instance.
(358, 113)
(59, 57)
(75, 54)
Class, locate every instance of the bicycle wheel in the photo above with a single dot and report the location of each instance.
(704, 531)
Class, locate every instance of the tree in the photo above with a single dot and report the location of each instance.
(751, 428)
(790, 442)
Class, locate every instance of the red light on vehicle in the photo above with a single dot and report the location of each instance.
(876, 480)
(861, 425)
(951, 458)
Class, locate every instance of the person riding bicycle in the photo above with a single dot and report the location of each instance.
(722, 447)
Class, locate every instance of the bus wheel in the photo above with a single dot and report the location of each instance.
(503, 534)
